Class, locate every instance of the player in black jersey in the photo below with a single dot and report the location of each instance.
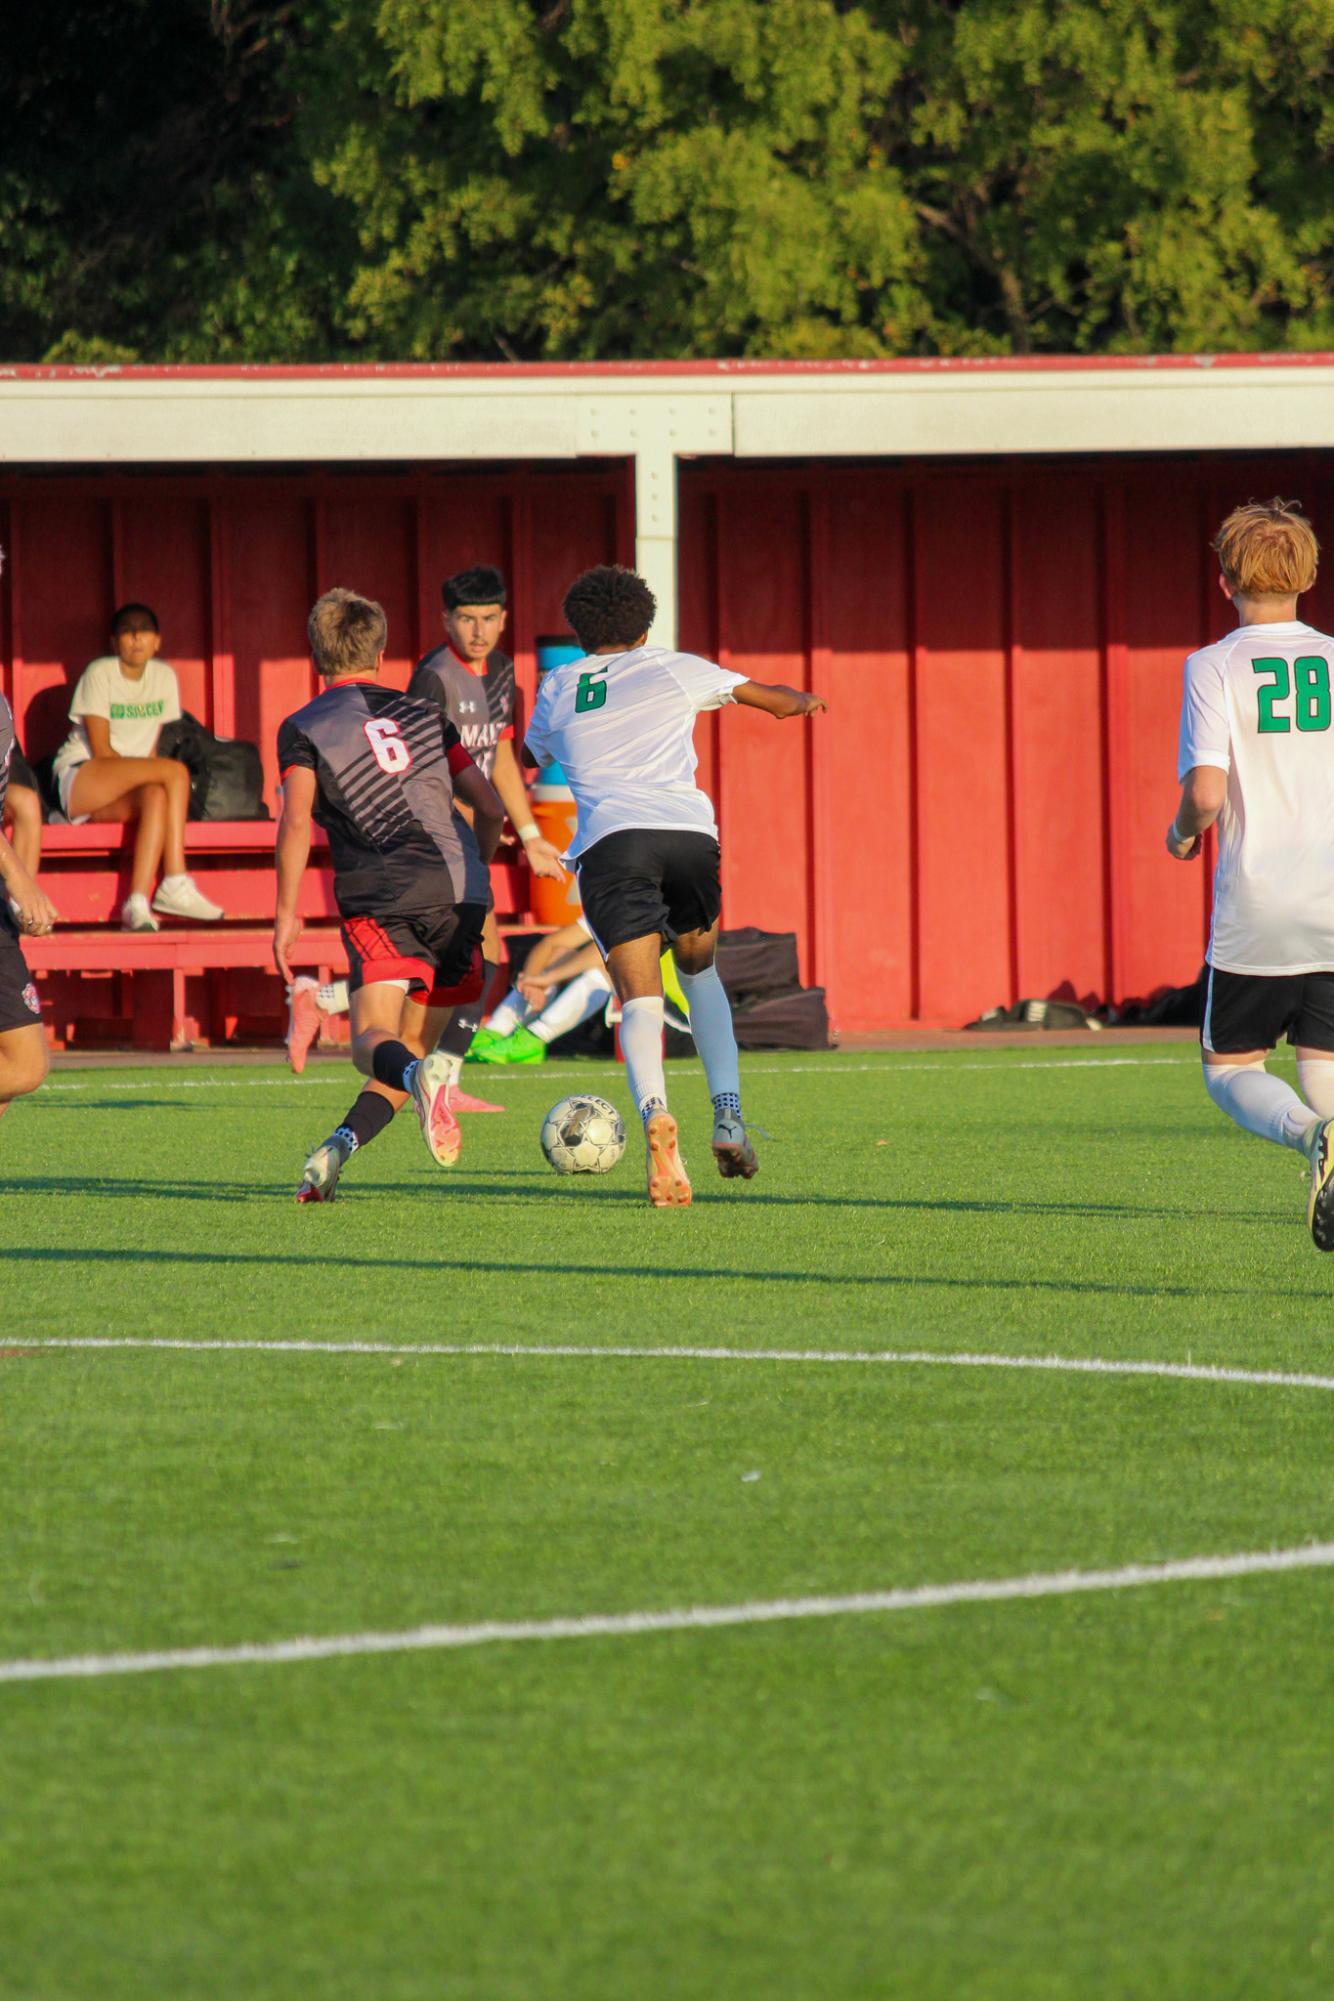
(470, 679)
(24, 908)
(380, 772)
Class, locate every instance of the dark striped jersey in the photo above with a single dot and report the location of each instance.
(480, 706)
(6, 748)
(384, 768)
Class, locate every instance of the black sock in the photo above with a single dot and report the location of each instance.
(388, 1063)
(366, 1120)
(466, 1020)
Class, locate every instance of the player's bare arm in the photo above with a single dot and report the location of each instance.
(542, 857)
(1202, 797)
(292, 852)
(34, 912)
(488, 814)
(778, 701)
(535, 982)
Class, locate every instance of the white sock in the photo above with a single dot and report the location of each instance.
(711, 1026)
(572, 1005)
(1262, 1104)
(512, 1013)
(333, 998)
(1315, 1074)
(641, 1046)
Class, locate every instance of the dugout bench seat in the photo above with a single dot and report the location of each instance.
(189, 985)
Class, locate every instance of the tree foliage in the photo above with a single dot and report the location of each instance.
(594, 179)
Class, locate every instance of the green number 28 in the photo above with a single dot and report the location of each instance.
(591, 692)
(1313, 708)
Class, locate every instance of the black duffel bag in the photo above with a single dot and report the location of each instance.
(752, 962)
(226, 777)
(796, 1018)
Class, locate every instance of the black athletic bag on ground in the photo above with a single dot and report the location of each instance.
(795, 1018)
(753, 962)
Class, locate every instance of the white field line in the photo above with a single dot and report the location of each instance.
(1190, 1372)
(106, 1080)
(624, 1625)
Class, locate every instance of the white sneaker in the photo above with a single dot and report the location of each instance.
(135, 914)
(178, 896)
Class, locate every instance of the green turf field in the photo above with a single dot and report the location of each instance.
(1072, 1797)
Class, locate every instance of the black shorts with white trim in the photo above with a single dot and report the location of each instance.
(19, 1004)
(1244, 1012)
(647, 879)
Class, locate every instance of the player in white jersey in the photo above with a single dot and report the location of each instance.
(621, 724)
(1257, 756)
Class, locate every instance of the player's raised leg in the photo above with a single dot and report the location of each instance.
(23, 1062)
(637, 977)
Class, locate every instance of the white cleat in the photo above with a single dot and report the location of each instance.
(732, 1148)
(319, 1176)
(432, 1085)
(180, 896)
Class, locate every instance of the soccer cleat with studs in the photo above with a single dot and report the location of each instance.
(732, 1148)
(1320, 1200)
(668, 1183)
(303, 1022)
(319, 1177)
(432, 1082)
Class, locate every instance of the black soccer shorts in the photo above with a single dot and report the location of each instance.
(648, 879)
(438, 953)
(1247, 1011)
(19, 1005)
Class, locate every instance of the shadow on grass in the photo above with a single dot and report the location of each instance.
(657, 1275)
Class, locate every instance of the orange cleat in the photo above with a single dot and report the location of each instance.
(668, 1183)
(303, 1022)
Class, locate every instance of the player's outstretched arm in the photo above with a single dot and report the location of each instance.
(1202, 794)
(33, 909)
(292, 853)
(776, 700)
(488, 813)
(541, 856)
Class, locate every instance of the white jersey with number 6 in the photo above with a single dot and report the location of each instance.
(1259, 706)
(621, 726)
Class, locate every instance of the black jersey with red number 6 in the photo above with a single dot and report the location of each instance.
(384, 768)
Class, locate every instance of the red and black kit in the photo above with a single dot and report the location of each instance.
(480, 705)
(409, 881)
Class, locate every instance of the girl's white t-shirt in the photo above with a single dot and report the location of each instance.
(135, 709)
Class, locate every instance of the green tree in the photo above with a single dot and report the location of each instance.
(594, 179)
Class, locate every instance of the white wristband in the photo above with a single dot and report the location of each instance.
(529, 831)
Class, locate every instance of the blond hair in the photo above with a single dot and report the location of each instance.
(1267, 549)
(346, 632)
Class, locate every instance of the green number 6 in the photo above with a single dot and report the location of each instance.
(591, 692)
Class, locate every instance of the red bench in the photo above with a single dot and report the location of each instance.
(187, 984)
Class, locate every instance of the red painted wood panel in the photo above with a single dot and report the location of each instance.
(161, 544)
(61, 592)
(372, 549)
(272, 561)
(964, 872)
(1057, 749)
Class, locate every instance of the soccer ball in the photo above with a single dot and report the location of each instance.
(583, 1136)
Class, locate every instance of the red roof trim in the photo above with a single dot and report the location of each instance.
(576, 371)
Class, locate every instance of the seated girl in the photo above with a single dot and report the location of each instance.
(108, 769)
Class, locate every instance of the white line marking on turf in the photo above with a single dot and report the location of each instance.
(619, 1625)
(106, 1081)
(1190, 1372)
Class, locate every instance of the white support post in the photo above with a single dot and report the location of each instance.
(655, 531)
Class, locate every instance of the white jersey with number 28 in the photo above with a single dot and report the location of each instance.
(1259, 706)
(621, 726)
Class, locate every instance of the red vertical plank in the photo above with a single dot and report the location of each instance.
(270, 604)
(961, 780)
(1057, 737)
(162, 559)
(368, 545)
(762, 791)
(861, 753)
(223, 670)
(460, 521)
(63, 573)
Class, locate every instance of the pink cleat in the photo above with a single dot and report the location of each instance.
(431, 1094)
(303, 1022)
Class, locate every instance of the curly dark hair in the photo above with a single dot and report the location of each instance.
(609, 606)
(480, 585)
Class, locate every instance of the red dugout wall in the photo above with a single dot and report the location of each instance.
(979, 816)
